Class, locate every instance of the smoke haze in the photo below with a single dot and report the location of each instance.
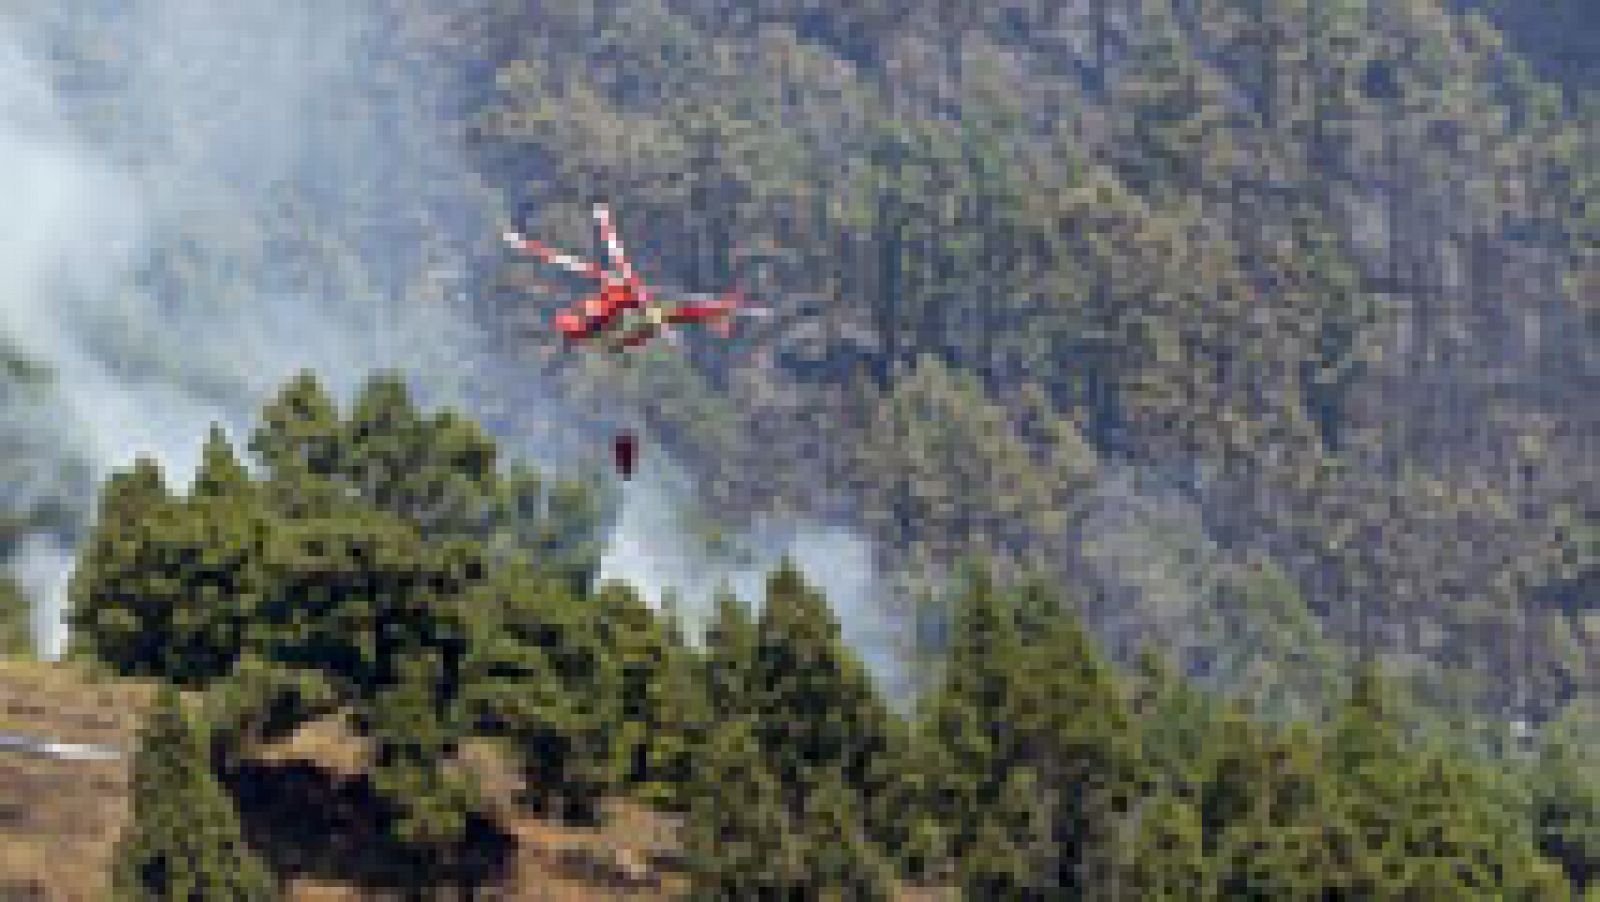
(654, 547)
(251, 188)
(139, 262)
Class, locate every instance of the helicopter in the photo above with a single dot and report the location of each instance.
(625, 313)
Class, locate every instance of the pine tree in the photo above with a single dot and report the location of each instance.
(924, 833)
(1011, 854)
(1366, 749)
(184, 842)
(1429, 824)
(1037, 605)
(1041, 708)
(220, 474)
(1176, 727)
(740, 839)
(132, 493)
(819, 710)
(299, 431)
(730, 657)
(663, 703)
(128, 501)
(679, 721)
(967, 716)
(169, 592)
(1461, 840)
(1071, 725)
(1275, 822)
(1317, 857)
(438, 471)
(413, 735)
(1165, 858)
(16, 625)
(841, 861)
(538, 673)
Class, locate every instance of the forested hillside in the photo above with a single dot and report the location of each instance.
(1257, 332)
(1219, 310)
(436, 607)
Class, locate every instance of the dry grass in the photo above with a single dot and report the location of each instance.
(329, 743)
(60, 819)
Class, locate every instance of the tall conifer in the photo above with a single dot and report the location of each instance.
(184, 842)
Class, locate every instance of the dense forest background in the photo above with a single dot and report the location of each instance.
(382, 571)
(1263, 330)
(1229, 314)
(1265, 326)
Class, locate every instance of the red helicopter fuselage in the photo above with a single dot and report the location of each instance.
(622, 309)
(617, 312)
(622, 314)
(598, 313)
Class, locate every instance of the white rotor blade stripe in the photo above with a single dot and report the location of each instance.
(551, 255)
(623, 271)
(608, 233)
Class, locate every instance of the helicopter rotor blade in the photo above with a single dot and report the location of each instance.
(554, 257)
(619, 256)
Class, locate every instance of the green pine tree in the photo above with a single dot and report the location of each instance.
(818, 711)
(730, 656)
(740, 839)
(1164, 857)
(679, 721)
(538, 673)
(413, 736)
(1039, 707)
(663, 704)
(184, 841)
(967, 717)
(16, 622)
(132, 493)
(1071, 725)
(1011, 854)
(170, 592)
(299, 430)
(220, 474)
(1177, 727)
(1275, 821)
(841, 862)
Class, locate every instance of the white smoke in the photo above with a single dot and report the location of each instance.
(65, 242)
(656, 547)
(212, 117)
(42, 567)
(215, 114)
(71, 221)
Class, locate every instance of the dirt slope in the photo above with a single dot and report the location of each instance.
(60, 818)
(303, 804)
